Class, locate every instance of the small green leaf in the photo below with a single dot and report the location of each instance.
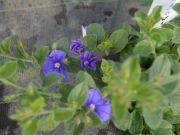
(20, 52)
(177, 7)
(38, 104)
(144, 48)
(136, 126)
(85, 77)
(63, 114)
(50, 79)
(155, 15)
(64, 91)
(145, 2)
(63, 44)
(5, 45)
(119, 40)
(153, 118)
(90, 41)
(73, 65)
(29, 127)
(78, 95)
(8, 69)
(47, 123)
(72, 128)
(97, 30)
(41, 53)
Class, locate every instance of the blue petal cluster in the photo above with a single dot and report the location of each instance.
(99, 105)
(54, 63)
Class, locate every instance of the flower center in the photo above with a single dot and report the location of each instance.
(86, 62)
(57, 65)
(92, 107)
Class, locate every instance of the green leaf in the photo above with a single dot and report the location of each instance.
(119, 40)
(78, 95)
(145, 2)
(105, 47)
(38, 104)
(93, 120)
(124, 123)
(63, 44)
(85, 77)
(72, 128)
(176, 38)
(155, 15)
(47, 123)
(41, 53)
(153, 118)
(162, 35)
(73, 65)
(29, 127)
(63, 114)
(144, 48)
(20, 52)
(64, 91)
(164, 129)
(136, 125)
(51, 79)
(142, 20)
(97, 30)
(177, 7)
(160, 68)
(130, 70)
(8, 69)
(172, 118)
(5, 46)
(90, 41)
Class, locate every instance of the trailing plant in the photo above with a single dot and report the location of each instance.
(128, 77)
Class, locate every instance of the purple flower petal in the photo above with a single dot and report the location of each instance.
(54, 63)
(76, 46)
(99, 105)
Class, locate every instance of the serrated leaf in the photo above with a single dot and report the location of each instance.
(51, 79)
(78, 95)
(97, 30)
(119, 40)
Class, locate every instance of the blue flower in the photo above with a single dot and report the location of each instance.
(88, 61)
(99, 105)
(76, 46)
(54, 63)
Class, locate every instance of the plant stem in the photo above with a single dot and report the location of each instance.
(14, 58)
